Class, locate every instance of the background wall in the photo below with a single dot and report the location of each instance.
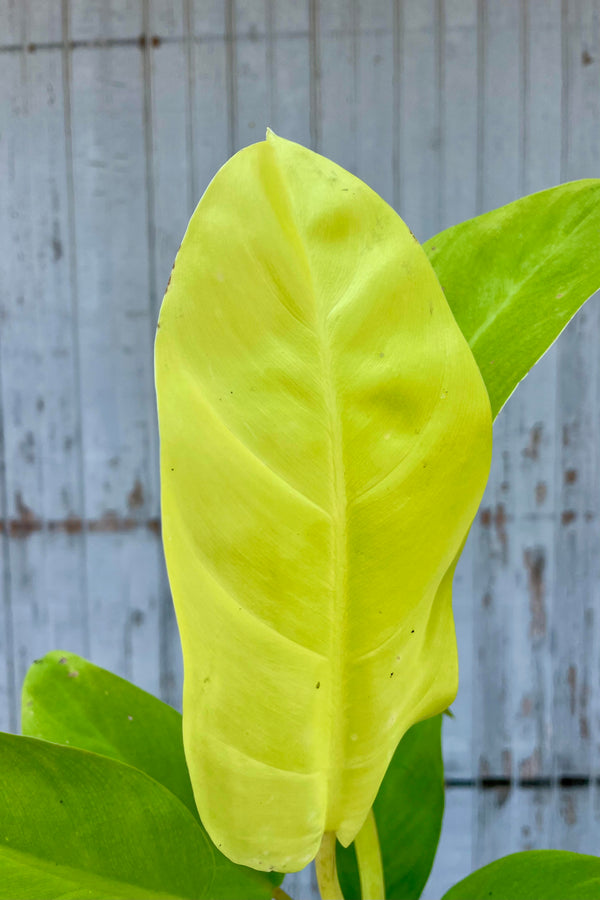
(113, 117)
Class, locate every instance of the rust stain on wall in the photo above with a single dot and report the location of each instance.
(136, 496)
(535, 563)
(532, 450)
(572, 682)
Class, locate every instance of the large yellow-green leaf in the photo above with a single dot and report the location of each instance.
(325, 441)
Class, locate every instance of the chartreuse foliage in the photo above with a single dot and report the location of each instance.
(325, 442)
(408, 812)
(533, 875)
(325, 439)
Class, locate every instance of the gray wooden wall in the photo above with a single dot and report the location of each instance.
(113, 117)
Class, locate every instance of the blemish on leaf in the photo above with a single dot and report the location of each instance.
(73, 673)
(570, 476)
(541, 491)
(130, 718)
(568, 516)
(63, 661)
(318, 685)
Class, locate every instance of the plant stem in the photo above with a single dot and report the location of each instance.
(368, 854)
(280, 894)
(327, 879)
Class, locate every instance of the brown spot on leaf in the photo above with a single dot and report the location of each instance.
(568, 516)
(74, 673)
(584, 728)
(570, 476)
(541, 492)
(586, 58)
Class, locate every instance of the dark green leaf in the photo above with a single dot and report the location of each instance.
(533, 875)
(408, 811)
(515, 276)
(75, 824)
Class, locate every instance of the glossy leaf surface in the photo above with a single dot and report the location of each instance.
(68, 700)
(532, 875)
(325, 441)
(514, 277)
(75, 824)
(408, 810)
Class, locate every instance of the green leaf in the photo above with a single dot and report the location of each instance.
(408, 811)
(515, 276)
(68, 700)
(533, 875)
(75, 824)
(325, 442)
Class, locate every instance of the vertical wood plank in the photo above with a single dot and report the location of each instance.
(458, 101)
(374, 78)
(499, 170)
(337, 41)
(211, 69)
(167, 126)
(44, 582)
(535, 450)
(575, 712)
(252, 87)
(115, 333)
(453, 858)
(419, 138)
(289, 68)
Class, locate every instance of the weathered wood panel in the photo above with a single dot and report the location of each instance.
(115, 116)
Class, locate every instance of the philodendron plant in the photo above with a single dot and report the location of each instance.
(326, 389)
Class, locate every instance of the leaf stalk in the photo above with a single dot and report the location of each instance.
(326, 867)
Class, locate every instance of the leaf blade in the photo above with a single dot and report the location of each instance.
(78, 824)
(515, 276)
(408, 810)
(68, 700)
(552, 874)
(305, 346)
